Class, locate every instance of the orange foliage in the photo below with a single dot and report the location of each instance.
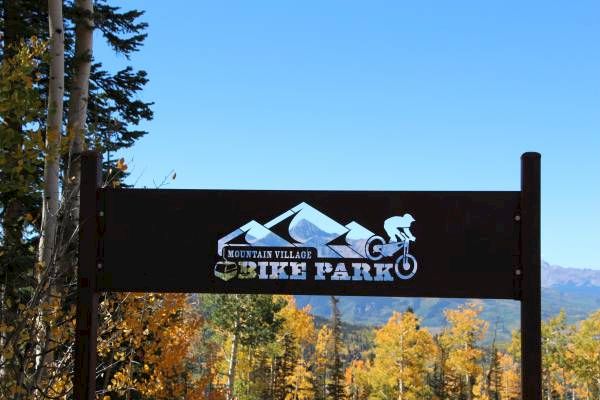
(145, 346)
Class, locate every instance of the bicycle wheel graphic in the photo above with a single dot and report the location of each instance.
(406, 266)
(372, 253)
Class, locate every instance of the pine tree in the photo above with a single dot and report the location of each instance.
(114, 107)
(23, 116)
(335, 386)
(285, 366)
(437, 378)
(294, 378)
(39, 284)
(494, 375)
(262, 376)
(250, 320)
(19, 173)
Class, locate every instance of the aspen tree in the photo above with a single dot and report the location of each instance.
(510, 378)
(36, 287)
(322, 356)
(462, 339)
(358, 380)
(584, 355)
(300, 382)
(76, 122)
(555, 334)
(56, 83)
(51, 193)
(300, 322)
(404, 355)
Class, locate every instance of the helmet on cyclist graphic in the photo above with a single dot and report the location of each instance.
(407, 218)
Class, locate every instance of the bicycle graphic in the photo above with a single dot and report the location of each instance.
(398, 229)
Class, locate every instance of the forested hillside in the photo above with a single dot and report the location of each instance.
(300, 356)
(576, 291)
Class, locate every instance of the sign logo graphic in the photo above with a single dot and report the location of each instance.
(303, 243)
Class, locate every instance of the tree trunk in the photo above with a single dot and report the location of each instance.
(400, 389)
(53, 134)
(468, 380)
(325, 370)
(401, 363)
(50, 201)
(2, 322)
(272, 378)
(233, 361)
(76, 124)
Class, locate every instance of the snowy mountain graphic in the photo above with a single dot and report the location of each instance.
(357, 237)
(252, 234)
(303, 226)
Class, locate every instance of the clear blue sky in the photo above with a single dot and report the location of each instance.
(378, 95)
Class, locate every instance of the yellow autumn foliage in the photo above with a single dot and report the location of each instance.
(145, 344)
(404, 354)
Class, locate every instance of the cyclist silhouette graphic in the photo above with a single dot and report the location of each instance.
(398, 229)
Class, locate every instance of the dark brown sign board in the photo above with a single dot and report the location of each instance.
(466, 243)
(459, 244)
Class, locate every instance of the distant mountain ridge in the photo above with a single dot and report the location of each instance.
(575, 290)
(557, 276)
